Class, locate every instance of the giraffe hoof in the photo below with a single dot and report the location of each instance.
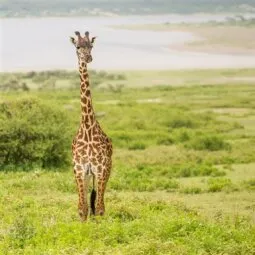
(82, 217)
(100, 213)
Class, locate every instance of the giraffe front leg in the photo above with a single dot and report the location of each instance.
(82, 185)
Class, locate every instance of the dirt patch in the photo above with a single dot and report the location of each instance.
(150, 100)
(227, 111)
(232, 111)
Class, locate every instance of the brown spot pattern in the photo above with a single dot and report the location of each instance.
(92, 146)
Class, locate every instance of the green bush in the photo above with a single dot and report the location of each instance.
(125, 213)
(220, 184)
(165, 141)
(191, 170)
(32, 133)
(210, 143)
(13, 85)
(182, 121)
(182, 135)
(137, 146)
(191, 190)
(250, 184)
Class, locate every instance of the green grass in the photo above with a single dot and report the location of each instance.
(39, 217)
(182, 179)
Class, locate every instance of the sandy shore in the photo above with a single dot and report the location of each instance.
(223, 40)
(210, 38)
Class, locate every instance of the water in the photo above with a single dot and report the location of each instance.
(43, 44)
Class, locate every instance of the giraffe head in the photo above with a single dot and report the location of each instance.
(83, 46)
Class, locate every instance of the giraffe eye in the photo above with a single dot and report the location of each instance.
(77, 47)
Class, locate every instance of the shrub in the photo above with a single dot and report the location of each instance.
(32, 133)
(168, 185)
(137, 146)
(190, 170)
(125, 213)
(117, 88)
(210, 143)
(250, 184)
(182, 135)
(219, 184)
(48, 84)
(14, 85)
(191, 190)
(120, 77)
(165, 141)
(181, 121)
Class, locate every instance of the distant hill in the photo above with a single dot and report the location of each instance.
(20, 8)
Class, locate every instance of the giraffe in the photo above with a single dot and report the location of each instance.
(91, 148)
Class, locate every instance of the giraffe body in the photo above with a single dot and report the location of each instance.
(91, 148)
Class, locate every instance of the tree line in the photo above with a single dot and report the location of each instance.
(20, 8)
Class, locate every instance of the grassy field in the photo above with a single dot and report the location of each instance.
(183, 178)
(211, 37)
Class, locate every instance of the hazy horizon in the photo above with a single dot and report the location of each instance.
(25, 8)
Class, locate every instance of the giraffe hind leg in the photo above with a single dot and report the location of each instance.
(82, 181)
(89, 172)
(92, 201)
(101, 186)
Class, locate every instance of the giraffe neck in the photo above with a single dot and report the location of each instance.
(88, 116)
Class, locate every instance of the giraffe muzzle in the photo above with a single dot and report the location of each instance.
(89, 59)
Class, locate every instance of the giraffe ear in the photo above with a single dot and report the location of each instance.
(93, 40)
(72, 40)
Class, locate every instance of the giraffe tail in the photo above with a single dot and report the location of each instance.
(93, 198)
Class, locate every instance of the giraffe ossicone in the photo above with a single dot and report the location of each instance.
(91, 148)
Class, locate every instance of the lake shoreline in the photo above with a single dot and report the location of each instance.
(115, 49)
(125, 15)
(208, 39)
